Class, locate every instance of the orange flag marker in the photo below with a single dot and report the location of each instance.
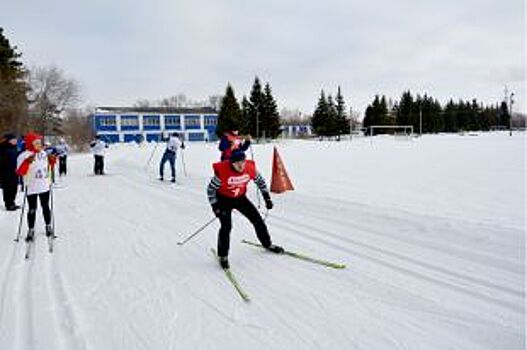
(280, 181)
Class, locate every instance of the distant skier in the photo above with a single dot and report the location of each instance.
(230, 142)
(98, 147)
(52, 154)
(62, 149)
(226, 191)
(8, 176)
(173, 144)
(34, 165)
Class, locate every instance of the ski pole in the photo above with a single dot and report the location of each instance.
(151, 156)
(255, 189)
(183, 161)
(21, 215)
(196, 232)
(52, 211)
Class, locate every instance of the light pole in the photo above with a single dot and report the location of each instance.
(511, 102)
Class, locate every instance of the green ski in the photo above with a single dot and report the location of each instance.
(232, 279)
(303, 257)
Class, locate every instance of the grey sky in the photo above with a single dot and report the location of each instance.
(121, 51)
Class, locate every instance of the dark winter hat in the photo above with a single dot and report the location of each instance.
(175, 134)
(237, 156)
(9, 137)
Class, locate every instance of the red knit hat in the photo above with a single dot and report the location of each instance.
(29, 139)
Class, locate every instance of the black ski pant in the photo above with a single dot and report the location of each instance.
(98, 168)
(62, 165)
(9, 189)
(32, 208)
(247, 209)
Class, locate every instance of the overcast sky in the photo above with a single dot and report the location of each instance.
(121, 51)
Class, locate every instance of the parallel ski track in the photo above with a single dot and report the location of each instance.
(460, 282)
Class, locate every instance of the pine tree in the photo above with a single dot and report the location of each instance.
(13, 101)
(245, 116)
(318, 121)
(404, 109)
(229, 117)
(504, 115)
(256, 109)
(342, 120)
(331, 117)
(271, 117)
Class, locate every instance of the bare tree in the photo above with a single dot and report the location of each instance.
(215, 101)
(50, 93)
(77, 126)
(142, 103)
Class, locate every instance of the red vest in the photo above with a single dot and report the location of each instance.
(233, 183)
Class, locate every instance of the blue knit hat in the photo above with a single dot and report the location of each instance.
(237, 155)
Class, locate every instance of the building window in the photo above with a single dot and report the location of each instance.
(210, 120)
(192, 121)
(129, 120)
(172, 120)
(151, 120)
(108, 121)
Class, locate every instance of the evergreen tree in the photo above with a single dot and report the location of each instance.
(256, 110)
(404, 109)
(270, 117)
(229, 117)
(343, 123)
(245, 116)
(319, 119)
(504, 115)
(331, 117)
(13, 101)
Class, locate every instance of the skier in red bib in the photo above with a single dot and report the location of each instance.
(226, 191)
(232, 141)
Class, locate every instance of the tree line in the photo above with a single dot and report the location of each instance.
(257, 115)
(427, 114)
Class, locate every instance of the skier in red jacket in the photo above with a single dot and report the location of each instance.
(226, 191)
(34, 165)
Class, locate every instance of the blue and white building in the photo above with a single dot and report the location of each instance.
(128, 124)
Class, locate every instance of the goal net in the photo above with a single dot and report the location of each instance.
(398, 131)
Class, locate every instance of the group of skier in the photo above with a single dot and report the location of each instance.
(35, 164)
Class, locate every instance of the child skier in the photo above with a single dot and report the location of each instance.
(98, 147)
(62, 149)
(34, 165)
(230, 142)
(226, 191)
(170, 155)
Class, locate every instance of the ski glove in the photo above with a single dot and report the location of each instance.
(268, 202)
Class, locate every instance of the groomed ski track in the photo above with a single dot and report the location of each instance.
(420, 275)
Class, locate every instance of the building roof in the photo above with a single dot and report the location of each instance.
(161, 110)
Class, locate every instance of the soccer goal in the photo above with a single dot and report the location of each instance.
(398, 131)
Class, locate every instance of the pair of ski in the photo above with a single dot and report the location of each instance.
(232, 279)
(30, 244)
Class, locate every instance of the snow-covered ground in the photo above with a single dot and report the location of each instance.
(432, 232)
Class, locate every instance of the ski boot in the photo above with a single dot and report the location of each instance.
(224, 262)
(173, 180)
(49, 231)
(30, 235)
(275, 249)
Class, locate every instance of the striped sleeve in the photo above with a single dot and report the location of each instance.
(260, 182)
(213, 187)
